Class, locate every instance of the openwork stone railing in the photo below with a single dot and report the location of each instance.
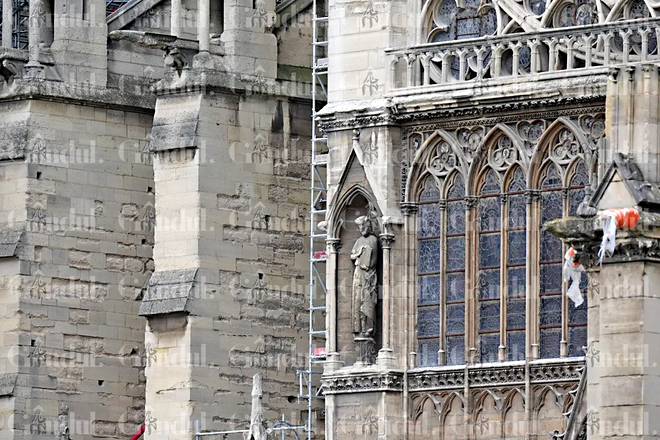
(493, 375)
(522, 57)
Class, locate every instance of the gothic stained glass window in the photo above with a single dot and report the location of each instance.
(428, 282)
(515, 267)
(550, 311)
(455, 274)
(489, 218)
(451, 23)
(577, 316)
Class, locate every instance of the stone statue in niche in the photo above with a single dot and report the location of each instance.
(365, 290)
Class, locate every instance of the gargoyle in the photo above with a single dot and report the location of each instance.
(167, 43)
(11, 63)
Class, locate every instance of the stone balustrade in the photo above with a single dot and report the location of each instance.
(523, 56)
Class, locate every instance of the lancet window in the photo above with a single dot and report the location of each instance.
(478, 234)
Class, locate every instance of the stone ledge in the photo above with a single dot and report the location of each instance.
(362, 382)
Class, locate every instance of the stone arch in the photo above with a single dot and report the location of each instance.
(514, 425)
(335, 221)
(539, 158)
(419, 169)
(481, 158)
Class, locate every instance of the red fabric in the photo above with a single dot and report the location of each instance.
(139, 433)
(626, 218)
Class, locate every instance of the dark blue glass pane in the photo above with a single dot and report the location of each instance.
(455, 319)
(515, 346)
(550, 342)
(455, 253)
(551, 278)
(516, 280)
(578, 315)
(584, 281)
(576, 196)
(456, 217)
(489, 214)
(428, 290)
(580, 177)
(455, 350)
(552, 206)
(551, 247)
(456, 287)
(515, 313)
(429, 256)
(518, 182)
(517, 211)
(428, 321)
(492, 184)
(577, 339)
(550, 310)
(489, 346)
(430, 192)
(457, 190)
(552, 179)
(489, 250)
(517, 247)
(489, 284)
(427, 352)
(489, 315)
(429, 220)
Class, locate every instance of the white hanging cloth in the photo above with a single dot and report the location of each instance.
(624, 218)
(573, 272)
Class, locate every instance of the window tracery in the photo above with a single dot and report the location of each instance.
(564, 163)
(449, 22)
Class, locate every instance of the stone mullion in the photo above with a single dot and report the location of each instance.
(471, 248)
(563, 347)
(409, 275)
(533, 274)
(504, 247)
(442, 353)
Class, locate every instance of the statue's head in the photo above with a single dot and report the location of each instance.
(364, 225)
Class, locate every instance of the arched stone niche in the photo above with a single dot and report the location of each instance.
(348, 233)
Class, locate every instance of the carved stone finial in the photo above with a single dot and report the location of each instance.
(63, 422)
(257, 424)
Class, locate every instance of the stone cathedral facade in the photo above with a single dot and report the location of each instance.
(483, 139)
(155, 212)
(154, 168)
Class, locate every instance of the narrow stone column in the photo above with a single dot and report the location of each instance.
(203, 24)
(175, 18)
(385, 355)
(7, 22)
(36, 10)
(332, 356)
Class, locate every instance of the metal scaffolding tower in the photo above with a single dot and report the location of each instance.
(310, 388)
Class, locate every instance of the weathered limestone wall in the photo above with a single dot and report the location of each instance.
(79, 45)
(359, 32)
(83, 197)
(238, 183)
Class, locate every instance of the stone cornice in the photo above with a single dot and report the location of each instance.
(363, 381)
(540, 109)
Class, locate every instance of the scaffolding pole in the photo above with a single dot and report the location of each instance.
(309, 379)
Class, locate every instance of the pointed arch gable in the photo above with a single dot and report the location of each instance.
(481, 154)
(344, 201)
(419, 169)
(537, 165)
